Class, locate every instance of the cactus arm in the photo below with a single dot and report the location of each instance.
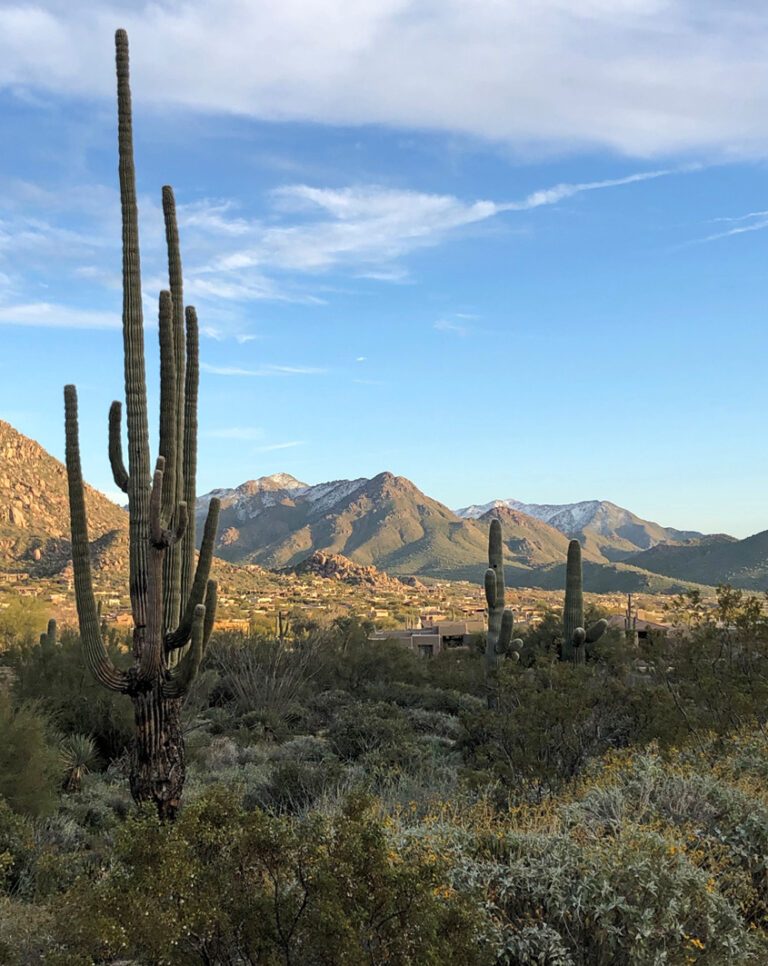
(595, 631)
(180, 637)
(168, 442)
(505, 632)
(133, 344)
(151, 654)
(490, 587)
(189, 454)
(177, 294)
(119, 472)
(96, 655)
(180, 679)
(211, 593)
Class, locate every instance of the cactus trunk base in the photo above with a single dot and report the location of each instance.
(157, 758)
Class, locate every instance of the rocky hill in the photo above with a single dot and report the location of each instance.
(34, 512)
(718, 559)
(335, 567)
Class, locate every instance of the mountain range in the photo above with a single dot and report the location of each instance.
(384, 522)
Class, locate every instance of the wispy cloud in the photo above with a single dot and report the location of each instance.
(306, 231)
(347, 228)
(52, 315)
(444, 325)
(237, 432)
(276, 446)
(754, 221)
(262, 370)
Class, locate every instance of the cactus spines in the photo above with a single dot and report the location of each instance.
(575, 637)
(172, 612)
(500, 619)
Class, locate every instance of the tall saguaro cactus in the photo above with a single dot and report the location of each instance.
(501, 619)
(575, 637)
(172, 611)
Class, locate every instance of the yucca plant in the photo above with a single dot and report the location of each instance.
(77, 754)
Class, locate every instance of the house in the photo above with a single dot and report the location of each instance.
(430, 641)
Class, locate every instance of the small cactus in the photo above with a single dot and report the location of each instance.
(575, 637)
(48, 638)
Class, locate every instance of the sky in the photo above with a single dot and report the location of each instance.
(504, 248)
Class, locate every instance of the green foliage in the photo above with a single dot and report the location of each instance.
(555, 717)
(372, 730)
(223, 885)
(77, 754)
(57, 678)
(21, 620)
(29, 768)
(16, 842)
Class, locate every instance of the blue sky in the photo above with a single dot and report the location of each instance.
(505, 249)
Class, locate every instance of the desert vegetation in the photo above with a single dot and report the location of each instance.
(349, 802)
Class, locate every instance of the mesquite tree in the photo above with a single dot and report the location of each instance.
(172, 601)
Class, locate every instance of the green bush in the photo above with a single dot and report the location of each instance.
(30, 771)
(223, 885)
(58, 679)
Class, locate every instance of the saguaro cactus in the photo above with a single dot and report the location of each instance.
(501, 619)
(575, 637)
(172, 613)
(48, 638)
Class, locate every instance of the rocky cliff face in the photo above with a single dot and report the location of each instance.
(34, 510)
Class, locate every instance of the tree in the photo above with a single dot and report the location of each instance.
(172, 612)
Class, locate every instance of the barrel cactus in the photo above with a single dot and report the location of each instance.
(575, 637)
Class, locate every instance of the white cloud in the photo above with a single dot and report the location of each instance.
(237, 432)
(370, 224)
(443, 325)
(642, 77)
(276, 446)
(261, 371)
(754, 221)
(51, 315)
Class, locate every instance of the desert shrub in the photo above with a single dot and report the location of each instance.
(721, 828)
(458, 671)
(30, 772)
(258, 676)
(371, 664)
(555, 717)
(372, 729)
(630, 898)
(57, 677)
(16, 845)
(26, 932)
(222, 885)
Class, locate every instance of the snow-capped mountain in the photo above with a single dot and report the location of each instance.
(616, 532)
(253, 497)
